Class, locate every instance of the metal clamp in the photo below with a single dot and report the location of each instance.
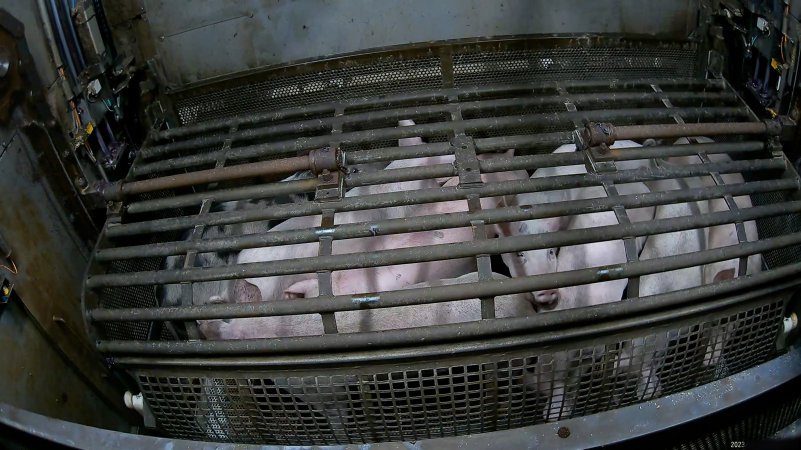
(597, 133)
(324, 159)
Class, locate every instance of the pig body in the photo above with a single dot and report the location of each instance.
(722, 236)
(272, 288)
(639, 354)
(567, 366)
(542, 261)
(375, 319)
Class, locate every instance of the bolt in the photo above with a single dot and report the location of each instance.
(161, 38)
(563, 432)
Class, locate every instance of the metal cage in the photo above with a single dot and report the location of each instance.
(467, 99)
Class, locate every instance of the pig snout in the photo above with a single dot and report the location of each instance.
(546, 297)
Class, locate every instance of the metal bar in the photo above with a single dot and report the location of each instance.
(471, 125)
(608, 134)
(666, 151)
(440, 194)
(324, 281)
(223, 195)
(249, 170)
(416, 151)
(554, 326)
(436, 222)
(487, 334)
(469, 92)
(439, 251)
(422, 296)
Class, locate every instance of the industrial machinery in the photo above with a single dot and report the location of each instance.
(461, 223)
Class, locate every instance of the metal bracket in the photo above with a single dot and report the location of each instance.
(597, 133)
(330, 187)
(466, 162)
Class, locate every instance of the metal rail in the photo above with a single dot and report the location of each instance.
(439, 194)
(553, 325)
(417, 111)
(301, 144)
(443, 251)
(436, 222)
(440, 94)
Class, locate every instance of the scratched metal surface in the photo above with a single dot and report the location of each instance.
(51, 261)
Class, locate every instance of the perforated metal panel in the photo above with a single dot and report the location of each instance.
(435, 399)
(456, 65)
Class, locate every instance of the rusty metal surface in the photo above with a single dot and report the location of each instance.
(51, 260)
(36, 376)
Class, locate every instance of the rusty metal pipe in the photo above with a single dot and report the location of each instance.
(437, 222)
(438, 195)
(316, 161)
(439, 251)
(604, 133)
(471, 125)
(438, 294)
(394, 175)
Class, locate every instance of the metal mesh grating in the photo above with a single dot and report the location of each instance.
(575, 63)
(389, 73)
(373, 404)
(126, 297)
(775, 226)
(377, 79)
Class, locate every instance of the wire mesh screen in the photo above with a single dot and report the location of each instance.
(438, 399)
(574, 63)
(396, 72)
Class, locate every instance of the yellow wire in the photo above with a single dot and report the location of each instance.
(14, 270)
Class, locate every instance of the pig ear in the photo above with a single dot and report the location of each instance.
(302, 289)
(723, 275)
(246, 292)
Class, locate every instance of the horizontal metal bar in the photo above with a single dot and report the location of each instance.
(437, 252)
(421, 296)
(436, 222)
(485, 334)
(685, 129)
(392, 153)
(667, 151)
(470, 92)
(498, 165)
(471, 125)
(248, 170)
(404, 198)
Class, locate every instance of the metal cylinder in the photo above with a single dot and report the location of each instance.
(605, 133)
